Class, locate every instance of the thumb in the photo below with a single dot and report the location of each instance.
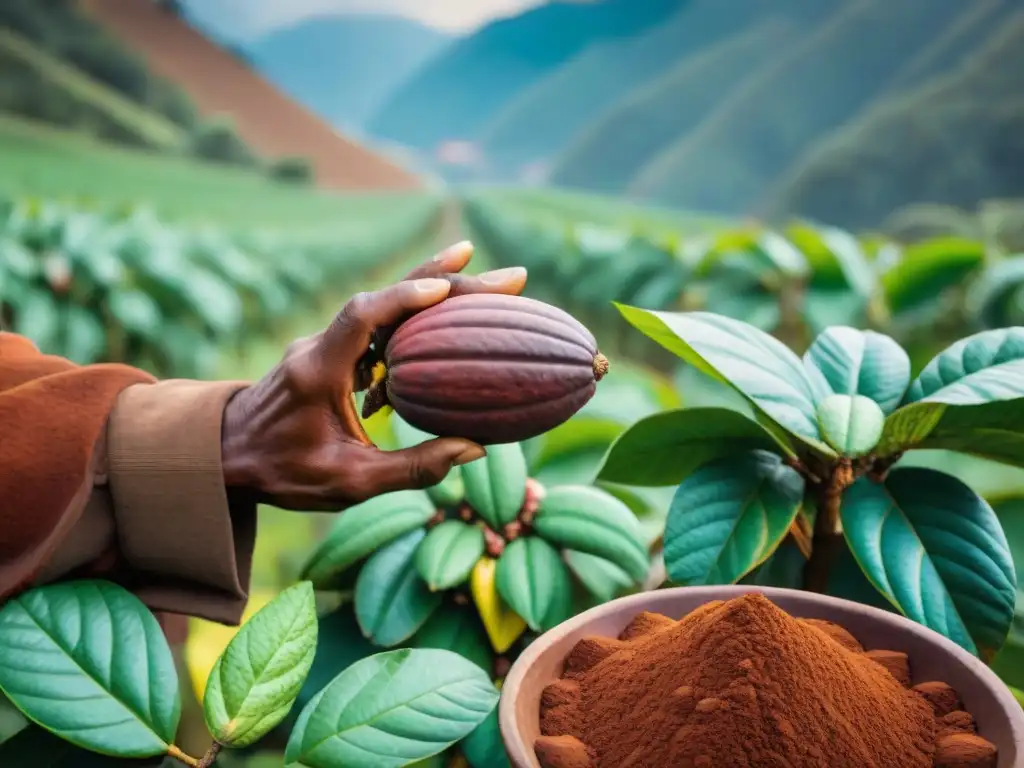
(423, 465)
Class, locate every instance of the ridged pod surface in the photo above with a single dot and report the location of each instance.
(491, 368)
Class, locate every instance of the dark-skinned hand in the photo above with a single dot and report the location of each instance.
(293, 439)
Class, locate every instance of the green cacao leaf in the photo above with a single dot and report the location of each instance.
(89, 662)
(851, 424)
(35, 747)
(601, 578)
(363, 529)
(256, 680)
(496, 484)
(448, 554)
(758, 366)
(928, 269)
(339, 645)
(994, 298)
(1009, 662)
(936, 550)
(457, 628)
(729, 516)
(967, 399)
(84, 338)
(664, 449)
(783, 568)
(483, 748)
(392, 601)
(534, 581)
(589, 520)
(392, 709)
(863, 363)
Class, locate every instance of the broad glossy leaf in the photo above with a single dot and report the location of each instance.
(589, 520)
(85, 339)
(392, 709)
(363, 529)
(89, 661)
(35, 747)
(729, 516)
(937, 551)
(392, 601)
(664, 449)
(824, 309)
(1009, 662)
(496, 484)
(457, 628)
(448, 554)
(927, 269)
(483, 748)
(339, 645)
(851, 424)
(757, 365)
(503, 625)
(601, 578)
(256, 680)
(982, 368)
(968, 398)
(864, 363)
(533, 580)
(994, 298)
(783, 568)
(38, 318)
(136, 312)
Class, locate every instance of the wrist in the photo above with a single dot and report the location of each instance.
(237, 457)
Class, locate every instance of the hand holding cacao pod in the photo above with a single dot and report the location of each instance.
(487, 367)
(294, 440)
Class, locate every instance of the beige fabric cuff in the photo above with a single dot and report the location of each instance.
(191, 550)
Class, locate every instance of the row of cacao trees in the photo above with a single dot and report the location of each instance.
(793, 281)
(126, 285)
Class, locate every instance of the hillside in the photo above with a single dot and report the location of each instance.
(218, 83)
(343, 67)
(956, 140)
(543, 119)
(605, 156)
(455, 94)
(763, 124)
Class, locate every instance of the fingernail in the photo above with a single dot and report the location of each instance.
(499, 276)
(460, 252)
(470, 454)
(431, 285)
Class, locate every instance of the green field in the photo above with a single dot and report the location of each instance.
(552, 206)
(39, 160)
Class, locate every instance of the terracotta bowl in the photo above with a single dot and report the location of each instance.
(999, 717)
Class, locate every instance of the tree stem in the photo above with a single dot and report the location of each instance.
(211, 756)
(181, 757)
(827, 542)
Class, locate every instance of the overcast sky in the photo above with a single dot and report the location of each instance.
(240, 20)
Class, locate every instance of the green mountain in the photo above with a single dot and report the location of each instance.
(343, 67)
(454, 94)
(765, 122)
(956, 140)
(605, 155)
(544, 117)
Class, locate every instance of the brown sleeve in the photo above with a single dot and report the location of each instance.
(123, 481)
(188, 549)
(52, 415)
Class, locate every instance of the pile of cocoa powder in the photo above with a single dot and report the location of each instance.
(743, 683)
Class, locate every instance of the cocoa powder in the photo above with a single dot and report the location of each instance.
(742, 683)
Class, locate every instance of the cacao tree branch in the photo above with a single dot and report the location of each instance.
(827, 542)
(181, 757)
(211, 756)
